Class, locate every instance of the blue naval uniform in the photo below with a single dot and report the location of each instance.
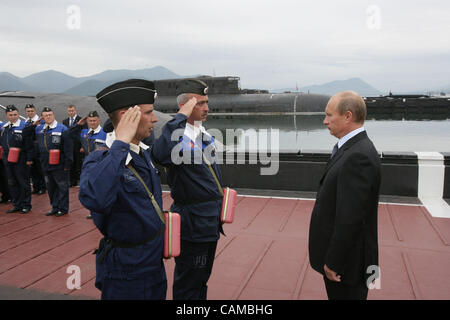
(89, 140)
(198, 201)
(17, 173)
(51, 137)
(129, 260)
(194, 191)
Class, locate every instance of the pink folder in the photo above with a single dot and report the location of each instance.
(13, 155)
(172, 235)
(228, 205)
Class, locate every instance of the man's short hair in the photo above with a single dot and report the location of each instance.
(182, 98)
(71, 106)
(113, 116)
(351, 101)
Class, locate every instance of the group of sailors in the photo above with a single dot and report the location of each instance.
(40, 154)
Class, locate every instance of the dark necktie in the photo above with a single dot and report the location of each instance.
(335, 149)
(91, 133)
(29, 121)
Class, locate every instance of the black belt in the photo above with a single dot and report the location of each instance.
(116, 244)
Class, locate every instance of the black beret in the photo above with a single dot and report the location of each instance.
(30, 105)
(47, 109)
(126, 94)
(192, 86)
(10, 108)
(93, 114)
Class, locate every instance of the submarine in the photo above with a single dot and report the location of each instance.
(226, 97)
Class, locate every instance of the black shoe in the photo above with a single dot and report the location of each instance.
(60, 213)
(52, 212)
(89, 217)
(35, 191)
(25, 210)
(41, 192)
(13, 210)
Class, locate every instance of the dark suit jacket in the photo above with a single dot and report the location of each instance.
(343, 228)
(77, 118)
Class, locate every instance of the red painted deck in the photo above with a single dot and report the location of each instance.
(263, 256)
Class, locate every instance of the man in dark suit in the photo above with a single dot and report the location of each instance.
(343, 241)
(69, 122)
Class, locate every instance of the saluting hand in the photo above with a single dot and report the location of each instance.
(82, 121)
(38, 121)
(128, 124)
(187, 108)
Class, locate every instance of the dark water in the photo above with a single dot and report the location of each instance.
(307, 132)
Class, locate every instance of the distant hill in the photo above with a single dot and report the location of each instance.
(90, 86)
(9, 82)
(330, 88)
(52, 81)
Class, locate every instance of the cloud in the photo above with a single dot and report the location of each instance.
(267, 43)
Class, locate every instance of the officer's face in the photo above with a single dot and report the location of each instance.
(200, 112)
(49, 117)
(71, 112)
(148, 118)
(12, 116)
(93, 122)
(30, 112)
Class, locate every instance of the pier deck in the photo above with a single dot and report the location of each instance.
(263, 256)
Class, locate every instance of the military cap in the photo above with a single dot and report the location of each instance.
(10, 108)
(126, 94)
(192, 86)
(30, 105)
(93, 114)
(47, 109)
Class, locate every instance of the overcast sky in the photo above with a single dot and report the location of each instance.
(397, 45)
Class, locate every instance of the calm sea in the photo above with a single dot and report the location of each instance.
(307, 132)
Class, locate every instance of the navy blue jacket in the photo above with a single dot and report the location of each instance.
(89, 143)
(195, 192)
(15, 137)
(123, 211)
(57, 138)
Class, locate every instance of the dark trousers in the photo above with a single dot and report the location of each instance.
(75, 170)
(58, 189)
(19, 185)
(192, 270)
(4, 182)
(342, 291)
(133, 289)
(37, 177)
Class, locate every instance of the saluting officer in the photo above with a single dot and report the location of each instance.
(53, 135)
(17, 171)
(194, 189)
(122, 188)
(36, 171)
(92, 137)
